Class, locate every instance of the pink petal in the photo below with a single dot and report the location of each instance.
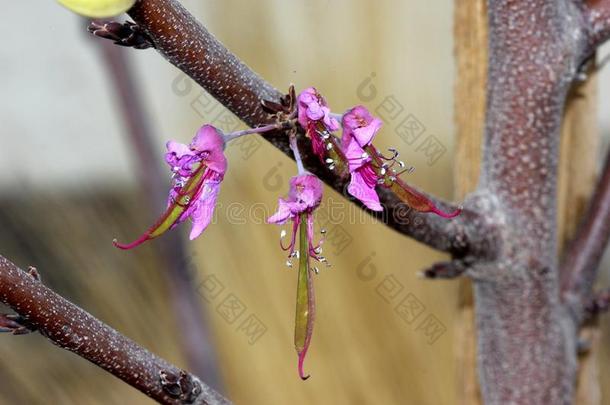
(305, 98)
(282, 214)
(313, 107)
(365, 135)
(302, 116)
(359, 123)
(353, 152)
(178, 148)
(314, 111)
(354, 116)
(217, 162)
(361, 190)
(305, 192)
(346, 137)
(331, 123)
(308, 95)
(209, 139)
(204, 211)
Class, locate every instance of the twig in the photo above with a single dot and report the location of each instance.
(447, 270)
(583, 255)
(73, 329)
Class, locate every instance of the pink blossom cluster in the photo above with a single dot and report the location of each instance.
(199, 167)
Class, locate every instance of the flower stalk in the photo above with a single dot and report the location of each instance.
(303, 198)
(259, 130)
(297, 154)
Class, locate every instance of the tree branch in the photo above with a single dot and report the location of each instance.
(581, 261)
(73, 329)
(184, 42)
(526, 346)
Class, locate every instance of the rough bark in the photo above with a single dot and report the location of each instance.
(526, 342)
(576, 177)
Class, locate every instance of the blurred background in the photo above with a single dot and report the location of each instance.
(69, 184)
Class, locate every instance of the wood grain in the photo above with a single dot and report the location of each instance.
(470, 28)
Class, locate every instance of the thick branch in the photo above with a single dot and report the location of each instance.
(526, 346)
(177, 35)
(581, 262)
(71, 328)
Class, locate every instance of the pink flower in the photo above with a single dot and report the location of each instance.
(313, 108)
(359, 129)
(315, 117)
(369, 168)
(303, 198)
(198, 170)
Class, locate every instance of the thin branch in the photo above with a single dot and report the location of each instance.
(73, 329)
(581, 262)
(597, 16)
(447, 270)
(196, 336)
(184, 42)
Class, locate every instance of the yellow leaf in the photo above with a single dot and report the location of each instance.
(98, 8)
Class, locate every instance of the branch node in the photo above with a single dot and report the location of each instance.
(583, 346)
(183, 387)
(15, 324)
(33, 271)
(285, 110)
(598, 305)
(123, 34)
